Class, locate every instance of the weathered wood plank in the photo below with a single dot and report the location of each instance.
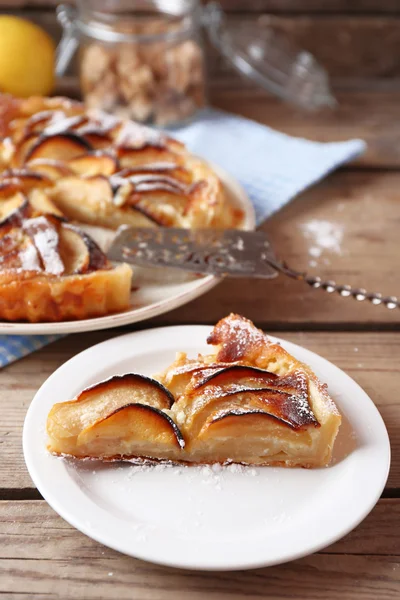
(275, 6)
(379, 534)
(372, 359)
(349, 47)
(372, 116)
(337, 577)
(42, 556)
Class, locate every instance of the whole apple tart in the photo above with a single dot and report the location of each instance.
(63, 166)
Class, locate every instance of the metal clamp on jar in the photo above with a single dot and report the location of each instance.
(144, 60)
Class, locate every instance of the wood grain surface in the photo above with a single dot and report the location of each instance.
(41, 556)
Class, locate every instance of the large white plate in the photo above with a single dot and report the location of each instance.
(201, 517)
(159, 290)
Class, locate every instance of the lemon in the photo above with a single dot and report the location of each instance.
(26, 58)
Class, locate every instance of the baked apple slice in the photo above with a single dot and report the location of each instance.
(122, 417)
(22, 149)
(79, 253)
(145, 154)
(53, 169)
(98, 140)
(94, 163)
(171, 169)
(91, 200)
(61, 146)
(13, 210)
(41, 203)
(21, 180)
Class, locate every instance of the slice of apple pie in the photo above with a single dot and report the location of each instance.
(248, 402)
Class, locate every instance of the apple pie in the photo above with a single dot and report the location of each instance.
(107, 171)
(66, 168)
(247, 402)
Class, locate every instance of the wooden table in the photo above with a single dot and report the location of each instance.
(41, 556)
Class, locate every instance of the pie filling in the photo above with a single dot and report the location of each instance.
(263, 407)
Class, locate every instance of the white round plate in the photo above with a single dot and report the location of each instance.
(159, 290)
(214, 518)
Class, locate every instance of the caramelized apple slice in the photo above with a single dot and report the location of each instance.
(163, 207)
(265, 438)
(67, 420)
(85, 200)
(240, 387)
(170, 169)
(53, 169)
(98, 140)
(232, 377)
(21, 180)
(23, 149)
(97, 163)
(130, 431)
(64, 124)
(13, 210)
(145, 154)
(62, 146)
(179, 374)
(22, 128)
(90, 200)
(41, 203)
(79, 253)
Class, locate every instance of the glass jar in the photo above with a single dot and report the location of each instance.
(138, 59)
(144, 60)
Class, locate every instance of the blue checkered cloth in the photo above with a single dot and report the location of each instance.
(14, 347)
(271, 166)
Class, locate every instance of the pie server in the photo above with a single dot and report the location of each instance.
(220, 252)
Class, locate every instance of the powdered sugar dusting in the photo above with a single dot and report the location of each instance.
(325, 235)
(29, 258)
(45, 238)
(213, 475)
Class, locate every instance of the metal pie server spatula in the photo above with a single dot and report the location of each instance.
(224, 253)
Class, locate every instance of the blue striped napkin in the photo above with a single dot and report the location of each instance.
(271, 166)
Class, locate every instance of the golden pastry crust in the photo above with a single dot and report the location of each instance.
(249, 402)
(37, 298)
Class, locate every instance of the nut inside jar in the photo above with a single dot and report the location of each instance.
(148, 79)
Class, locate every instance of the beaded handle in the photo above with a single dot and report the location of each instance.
(345, 291)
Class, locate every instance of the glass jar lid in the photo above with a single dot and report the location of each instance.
(268, 59)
